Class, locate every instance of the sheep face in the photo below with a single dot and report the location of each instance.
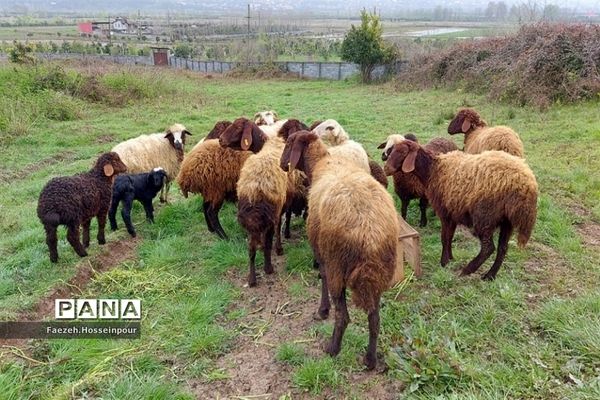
(157, 177)
(110, 164)
(243, 134)
(402, 158)
(465, 120)
(391, 141)
(331, 132)
(293, 153)
(176, 135)
(218, 129)
(265, 117)
(291, 126)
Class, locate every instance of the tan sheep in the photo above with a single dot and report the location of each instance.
(146, 152)
(481, 191)
(479, 137)
(353, 231)
(261, 189)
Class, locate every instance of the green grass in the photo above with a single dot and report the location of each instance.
(531, 334)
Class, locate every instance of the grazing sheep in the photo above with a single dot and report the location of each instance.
(74, 200)
(140, 187)
(408, 186)
(479, 137)
(146, 152)
(261, 190)
(481, 191)
(353, 231)
(212, 171)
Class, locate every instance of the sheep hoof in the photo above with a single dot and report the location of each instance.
(269, 270)
(287, 235)
(83, 254)
(330, 349)
(488, 277)
(370, 362)
(133, 234)
(54, 259)
(321, 315)
(279, 251)
(101, 241)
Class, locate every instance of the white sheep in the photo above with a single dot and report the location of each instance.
(340, 144)
(146, 152)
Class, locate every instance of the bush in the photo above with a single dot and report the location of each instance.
(539, 65)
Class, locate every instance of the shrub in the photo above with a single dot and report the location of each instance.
(539, 65)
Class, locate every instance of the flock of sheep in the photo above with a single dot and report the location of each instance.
(274, 167)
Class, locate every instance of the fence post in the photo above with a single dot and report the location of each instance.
(320, 64)
(302, 73)
(339, 71)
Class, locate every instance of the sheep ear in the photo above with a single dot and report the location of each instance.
(297, 150)
(108, 170)
(382, 145)
(466, 125)
(409, 162)
(275, 115)
(186, 132)
(246, 136)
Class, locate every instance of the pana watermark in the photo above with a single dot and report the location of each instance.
(98, 309)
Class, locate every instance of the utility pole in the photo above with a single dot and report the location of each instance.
(248, 40)
(139, 27)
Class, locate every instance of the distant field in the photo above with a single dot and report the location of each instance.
(531, 334)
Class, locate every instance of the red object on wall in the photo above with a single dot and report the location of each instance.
(85, 27)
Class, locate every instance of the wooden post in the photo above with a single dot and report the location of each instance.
(302, 73)
(320, 64)
(339, 71)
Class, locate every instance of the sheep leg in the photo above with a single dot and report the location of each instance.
(505, 232)
(101, 224)
(448, 229)
(323, 312)
(112, 214)
(487, 248)
(52, 241)
(215, 220)
(423, 206)
(86, 233)
(207, 218)
(126, 213)
(404, 208)
(278, 246)
(288, 219)
(252, 258)
(268, 245)
(341, 322)
(73, 238)
(371, 356)
(164, 191)
(149, 209)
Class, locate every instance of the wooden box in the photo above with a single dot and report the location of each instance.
(409, 249)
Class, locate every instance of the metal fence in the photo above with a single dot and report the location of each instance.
(303, 69)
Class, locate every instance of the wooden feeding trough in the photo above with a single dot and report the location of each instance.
(409, 249)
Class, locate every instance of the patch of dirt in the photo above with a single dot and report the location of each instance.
(275, 317)
(6, 175)
(113, 253)
(590, 233)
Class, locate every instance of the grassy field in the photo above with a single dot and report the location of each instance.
(531, 334)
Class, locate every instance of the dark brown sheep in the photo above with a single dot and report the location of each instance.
(217, 130)
(481, 191)
(74, 200)
(408, 186)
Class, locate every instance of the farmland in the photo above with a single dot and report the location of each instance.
(531, 334)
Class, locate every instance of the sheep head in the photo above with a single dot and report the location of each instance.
(293, 153)
(218, 129)
(331, 132)
(176, 135)
(243, 134)
(391, 141)
(109, 165)
(464, 121)
(402, 157)
(157, 177)
(266, 117)
(291, 126)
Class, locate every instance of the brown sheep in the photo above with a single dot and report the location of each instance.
(217, 130)
(212, 171)
(479, 137)
(74, 200)
(481, 191)
(378, 173)
(408, 186)
(353, 231)
(261, 190)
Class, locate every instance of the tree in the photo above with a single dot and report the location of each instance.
(364, 45)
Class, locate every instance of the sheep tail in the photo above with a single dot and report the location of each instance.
(368, 281)
(524, 222)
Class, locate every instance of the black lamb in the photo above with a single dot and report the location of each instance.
(141, 187)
